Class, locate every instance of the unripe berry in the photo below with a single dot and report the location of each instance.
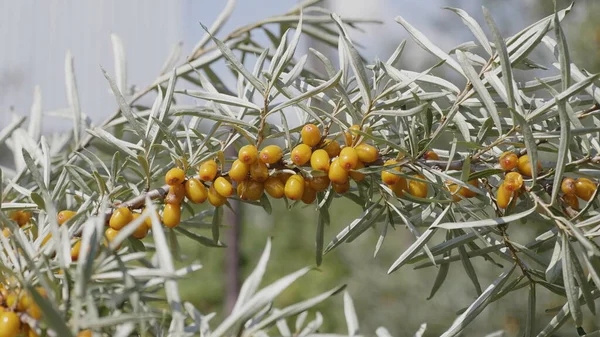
(274, 187)
(214, 198)
(336, 173)
(248, 154)
(142, 230)
(176, 194)
(503, 196)
(271, 154)
(348, 158)
(358, 176)
(208, 170)
(418, 188)
(525, 166)
(250, 190)
(431, 155)
(10, 324)
(508, 161)
(584, 188)
(319, 183)
(366, 153)
(399, 187)
(175, 176)
(195, 191)
(171, 215)
(120, 218)
(568, 186)
(341, 188)
(513, 181)
(311, 135)
(310, 195)
(319, 160)
(387, 176)
(223, 187)
(239, 171)
(75, 250)
(301, 154)
(571, 200)
(332, 147)
(110, 234)
(294, 187)
(259, 171)
(64, 216)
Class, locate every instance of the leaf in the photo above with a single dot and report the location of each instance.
(530, 321)
(6, 132)
(214, 29)
(125, 146)
(120, 62)
(568, 279)
(363, 221)
(73, 98)
(507, 77)
(35, 117)
(253, 281)
(474, 27)
(53, 318)
(124, 106)
(488, 222)
(350, 313)
(221, 98)
(207, 113)
(469, 269)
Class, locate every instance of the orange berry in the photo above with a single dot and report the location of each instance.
(301, 154)
(358, 176)
(259, 171)
(571, 200)
(387, 176)
(568, 186)
(111, 234)
(503, 196)
(120, 218)
(208, 170)
(34, 311)
(239, 171)
(21, 217)
(6, 232)
(223, 187)
(248, 154)
(319, 160)
(462, 191)
(64, 216)
(271, 154)
(431, 155)
(142, 230)
(366, 153)
(10, 324)
(148, 221)
(319, 183)
(176, 194)
(310, 195)
(399, 187)
(214, 198)
(525, 166)
(336, 173)
(284, 176)
(348, 158)
(294, 187)
(175, 176)
(171, 215)
(513, 181)
(311, 135)
(195, 191)
(351, 134)
(332, 148)
(584, 188)
(250, 190)
(418, 188)
(85, 333)
(341, 188)
(508, 161)
(274, 187)
(75, 250)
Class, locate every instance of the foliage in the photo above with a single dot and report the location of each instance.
(420, 152)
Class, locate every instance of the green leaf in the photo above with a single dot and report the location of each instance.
(503, 56)
(124, 106)
(474, 27)
(569, 281)
(488, 222)
(221, 98)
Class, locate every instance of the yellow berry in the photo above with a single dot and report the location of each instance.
(332, 148)
(301, 154)
(319, 183)
(10, 324)
(148, 221)
(464, 192)
(358, 176)
(571, 200)
(366, 153)
(214, 198)
(311, 135)
(85, 333)
(584, 188)
(336, 173)
(399, 187)
(239, 171)
(175, 176)
(271, 154)
(6, 232)
(176, 194)
(223, 187)
(387, 176)
(431, 155)
(568, 186)
(294, 187)
(351, 135)
(21, 217)
(259, 171)
(208, 170)
(513, 181)
(319, 160)
(348, 158)
(75, 250)
(171, 215)
(418, 188)
(46, 239)
(142, 230)
(284, 176)
(111, 234)
(64, 216)
(310, 195)
(524, 165)
(120, 218)
(250, 190)
(274, 187)
(503, 196)
(341, 188)
(508, 161)
(248, 154)
(195, 191)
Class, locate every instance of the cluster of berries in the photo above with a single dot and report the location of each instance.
(574, 189)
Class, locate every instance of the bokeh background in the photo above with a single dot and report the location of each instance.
(35, 37)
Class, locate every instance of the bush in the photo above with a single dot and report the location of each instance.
(92, 218)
